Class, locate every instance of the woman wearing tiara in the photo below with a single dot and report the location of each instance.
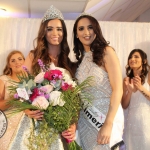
(101, 123)
(52, 48)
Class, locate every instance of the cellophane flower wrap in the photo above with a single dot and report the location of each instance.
(54, 92)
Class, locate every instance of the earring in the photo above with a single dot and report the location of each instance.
(77, 36)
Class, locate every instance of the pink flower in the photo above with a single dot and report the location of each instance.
(40, 102)
(68, 141)
(34, 94)
(48, 88)
(66, 86)
(16, 95)
(53, 75)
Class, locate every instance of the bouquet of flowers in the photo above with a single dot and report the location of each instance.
(54, 92)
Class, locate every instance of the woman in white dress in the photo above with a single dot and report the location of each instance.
(136, 97)
(100, 125)
(13, 67)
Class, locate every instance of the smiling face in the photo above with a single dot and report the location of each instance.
(54, 33)
(85, 33)
(135, 61)
(15, 63)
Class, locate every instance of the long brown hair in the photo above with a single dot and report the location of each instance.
(41, 50)
(144, 65)
(7, 70)
(98, 45)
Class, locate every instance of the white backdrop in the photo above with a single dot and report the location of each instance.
(123, 36)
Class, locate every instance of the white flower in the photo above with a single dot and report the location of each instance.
(68, 79)
(71, 83)
(40, 102)
(55, 98)
(39, 78)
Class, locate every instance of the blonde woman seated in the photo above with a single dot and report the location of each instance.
(13, 67)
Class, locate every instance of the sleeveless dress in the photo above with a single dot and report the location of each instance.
(20, 139)
(13, 121)
(101, 92)
(137, 132)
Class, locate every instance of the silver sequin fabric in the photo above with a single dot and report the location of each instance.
(137, 131)
(100, 92)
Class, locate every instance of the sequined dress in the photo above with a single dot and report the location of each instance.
(13, 121)
(137, 132)
(101, 92)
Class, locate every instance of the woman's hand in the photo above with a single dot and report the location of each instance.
(36, 114)
(137, 83)
(104, 134)
(70, 133)
(130, 86)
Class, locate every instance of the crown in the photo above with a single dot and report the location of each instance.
(52, 13)
(84, 14)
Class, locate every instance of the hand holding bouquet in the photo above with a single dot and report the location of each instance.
(54, 92)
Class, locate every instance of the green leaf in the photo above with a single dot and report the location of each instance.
(30, 84)
(24, 84)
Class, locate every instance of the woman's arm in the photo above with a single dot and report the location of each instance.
(126, 92)
(140, 87)
(3, 102)
(113, 68)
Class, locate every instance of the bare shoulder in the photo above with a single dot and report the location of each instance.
(28, 61)
(110, 53)
(109, 49)
(31, 56)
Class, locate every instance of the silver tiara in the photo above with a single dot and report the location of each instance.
(84, 14)
(52, 13)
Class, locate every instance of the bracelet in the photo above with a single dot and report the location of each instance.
(145, 94)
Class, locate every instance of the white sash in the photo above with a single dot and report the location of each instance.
(94, 116)
(97, 119)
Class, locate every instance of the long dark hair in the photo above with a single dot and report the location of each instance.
(7, 70)
(98, 45)
(41, 50)
(144, 65)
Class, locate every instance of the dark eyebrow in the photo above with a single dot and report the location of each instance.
(80, 27)
(53, 27)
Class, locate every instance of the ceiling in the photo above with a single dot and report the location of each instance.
(104, 10)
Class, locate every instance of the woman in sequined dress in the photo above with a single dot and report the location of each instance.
(14, 64)
(136, 97)
(95, 58)
(52, 48)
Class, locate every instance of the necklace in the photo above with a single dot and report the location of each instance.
(54, 59)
